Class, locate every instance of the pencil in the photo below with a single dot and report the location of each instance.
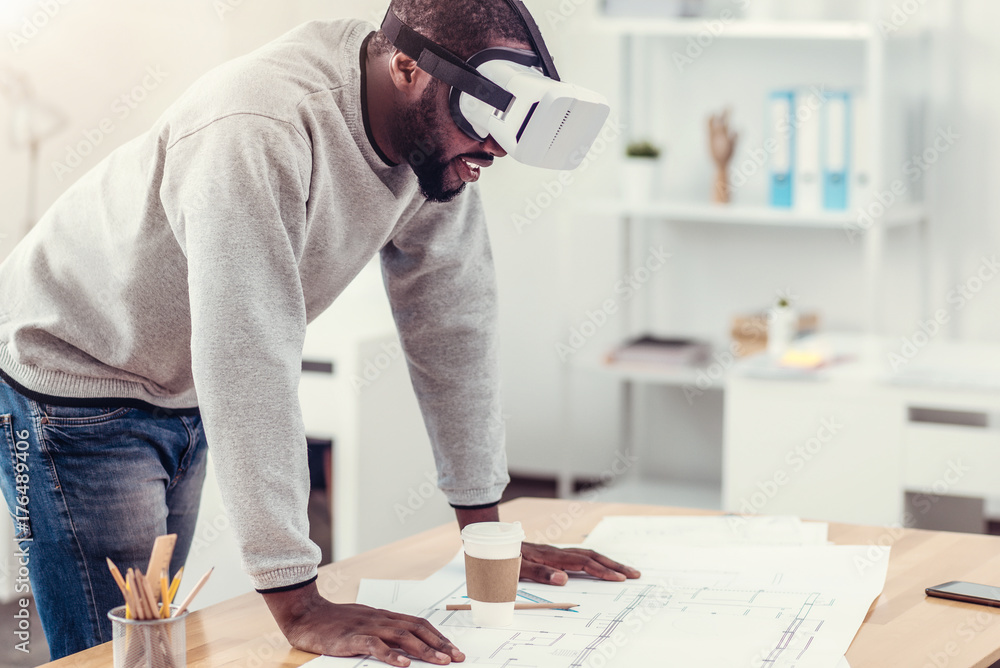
(137, 612)
(129, 606)
(117, 575)
(142, 611)
(176, 584)
(164, 598)
(146, 593)
(520, 606)
(190, 597)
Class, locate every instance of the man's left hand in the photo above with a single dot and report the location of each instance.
(548, 565)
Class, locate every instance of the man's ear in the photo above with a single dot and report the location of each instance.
(409, 80)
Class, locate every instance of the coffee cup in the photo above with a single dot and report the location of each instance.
(492, 570)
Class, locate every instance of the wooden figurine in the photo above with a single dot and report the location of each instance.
(722, 143)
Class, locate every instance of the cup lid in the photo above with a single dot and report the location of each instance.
(493, 533)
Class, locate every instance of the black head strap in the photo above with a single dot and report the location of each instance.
(535, 35)
(443, 64)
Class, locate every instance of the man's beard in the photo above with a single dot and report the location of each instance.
(417, 131)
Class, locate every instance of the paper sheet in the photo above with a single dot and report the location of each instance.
(773, 607)
(707, 531)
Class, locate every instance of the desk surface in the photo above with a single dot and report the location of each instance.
(903, 627)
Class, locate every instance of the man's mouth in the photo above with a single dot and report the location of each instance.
(468, 169)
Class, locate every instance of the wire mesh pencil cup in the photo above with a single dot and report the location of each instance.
(154, 643)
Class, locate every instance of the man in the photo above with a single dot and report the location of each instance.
(161, 305)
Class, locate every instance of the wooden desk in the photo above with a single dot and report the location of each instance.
(903, 627)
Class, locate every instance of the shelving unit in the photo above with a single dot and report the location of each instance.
(678, 212)
(841, 31)
(643, 73)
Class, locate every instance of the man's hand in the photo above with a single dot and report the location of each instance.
(313, 624)
(547, 564)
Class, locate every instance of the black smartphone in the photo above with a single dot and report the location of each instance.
(967, 592)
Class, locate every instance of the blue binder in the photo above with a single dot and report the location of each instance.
(836, 150)
(780, 114)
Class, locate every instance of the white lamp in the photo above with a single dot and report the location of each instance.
(32, 122)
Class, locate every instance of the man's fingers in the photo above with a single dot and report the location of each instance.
(629, 572)
(439, 647)
(402, 638)
(598, 570)
(583, 561)
(587, 561)
(373, 646)
(533, 570)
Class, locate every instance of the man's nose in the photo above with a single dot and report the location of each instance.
(493, 148)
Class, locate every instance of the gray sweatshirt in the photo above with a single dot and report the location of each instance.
(182, 270)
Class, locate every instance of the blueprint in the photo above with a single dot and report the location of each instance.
(747, 606)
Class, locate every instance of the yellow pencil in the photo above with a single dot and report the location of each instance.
(136, 608)
(128, 602)
(175, 585)
(164, 599)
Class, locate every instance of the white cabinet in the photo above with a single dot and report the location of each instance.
(848, 444)
(829, 451)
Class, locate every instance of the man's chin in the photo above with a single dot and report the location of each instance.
(434, 189)
(441, 195)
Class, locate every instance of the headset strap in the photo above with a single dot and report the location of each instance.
(443, 64)
(535, 35)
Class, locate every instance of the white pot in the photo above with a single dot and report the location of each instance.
(782, 327)
(639, 179)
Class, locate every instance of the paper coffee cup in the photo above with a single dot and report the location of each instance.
(492, 569)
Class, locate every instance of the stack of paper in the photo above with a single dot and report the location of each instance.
(715, 591)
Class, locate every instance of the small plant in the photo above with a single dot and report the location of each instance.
(642, 149)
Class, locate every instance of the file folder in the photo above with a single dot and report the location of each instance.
(808, 191)
(836, 150)
(781, 130)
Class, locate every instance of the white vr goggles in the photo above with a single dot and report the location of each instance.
(513, 95)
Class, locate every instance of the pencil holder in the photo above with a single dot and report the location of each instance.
(156, 643)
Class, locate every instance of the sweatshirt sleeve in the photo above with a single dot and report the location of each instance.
(235, 194)
(439, 275)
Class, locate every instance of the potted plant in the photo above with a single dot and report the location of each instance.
(640, 170)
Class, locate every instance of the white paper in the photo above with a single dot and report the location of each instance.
(707, 531)
(774, 607)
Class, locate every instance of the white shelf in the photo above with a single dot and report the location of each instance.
(898, 216)
(656, 374)
(837, 31)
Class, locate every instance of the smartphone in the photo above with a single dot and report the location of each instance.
(967, 592)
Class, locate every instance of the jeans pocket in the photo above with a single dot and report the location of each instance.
(17, 469)
(68, 416)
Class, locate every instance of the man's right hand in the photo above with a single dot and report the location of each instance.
(313, 624)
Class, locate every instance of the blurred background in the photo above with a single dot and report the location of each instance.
(797, 317)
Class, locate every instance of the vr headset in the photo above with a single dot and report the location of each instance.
(513, 95)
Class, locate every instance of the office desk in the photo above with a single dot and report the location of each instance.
(903, 627)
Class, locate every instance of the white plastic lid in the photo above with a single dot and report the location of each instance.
(493, 533)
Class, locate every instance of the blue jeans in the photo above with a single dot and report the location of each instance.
(83, 484)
